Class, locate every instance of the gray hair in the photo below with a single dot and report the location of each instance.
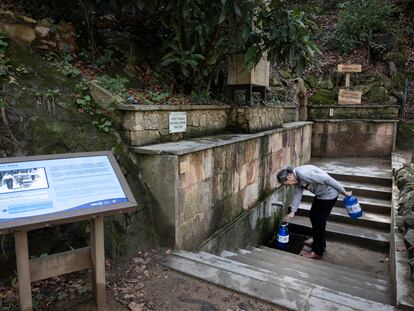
(282, 176)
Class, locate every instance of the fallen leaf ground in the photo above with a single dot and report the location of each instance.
(136, 283)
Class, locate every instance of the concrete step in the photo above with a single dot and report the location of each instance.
(340, 214)
(371, 238)
(366, 170)
(378, 206)
(377, 180)
(364, 276)
(278, 289)
(368, 190)
(281, 265)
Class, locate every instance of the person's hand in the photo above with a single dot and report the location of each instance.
(348, 193)
(289, 217)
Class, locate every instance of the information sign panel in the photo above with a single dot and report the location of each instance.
(57, 188)
(349, 97)
(349, 68)
(178, 122)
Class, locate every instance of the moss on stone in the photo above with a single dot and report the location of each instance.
(405, 135)
(323, 97)
(378, 95)
(37, 130)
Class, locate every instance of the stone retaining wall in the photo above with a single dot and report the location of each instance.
(149, 124)
(375, 112)
(402, 232)
(353, 138)
(197, 187)
(252, 228)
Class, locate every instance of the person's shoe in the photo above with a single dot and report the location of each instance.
(312, 255)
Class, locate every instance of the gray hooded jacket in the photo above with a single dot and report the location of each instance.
(316, 181)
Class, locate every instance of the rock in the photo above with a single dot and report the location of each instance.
(20, 33)
(129, 296)
(406, 203)
(41, 31)
(323, 97)
(404, 180)
(206, 306)
(378, 94)
(397, 94)
(133, 306)
(388, 40)
(393, 100)
(243, 306)
(411, 264)
(399, 222)
(406, 189)
(27, 19)
(411, 252)
(68, 39)
(409, 238)
(392, 68)
(325, 83)
(235, 297)
(396, 57)
(409, 222)
(364, 88)
(402, 171)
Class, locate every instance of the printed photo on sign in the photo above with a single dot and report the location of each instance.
(23, 179)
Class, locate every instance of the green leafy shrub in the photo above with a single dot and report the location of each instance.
(198, 37)
(114, 85)
(64, 66)
(323, 97)
(360, 19)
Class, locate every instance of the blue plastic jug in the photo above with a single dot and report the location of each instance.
(352, 206)
(282, 240)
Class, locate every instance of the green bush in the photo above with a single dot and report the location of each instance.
(114, 85)
(323, 97)
(360, 19)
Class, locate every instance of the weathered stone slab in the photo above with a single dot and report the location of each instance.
(219, 177)
(353, 138)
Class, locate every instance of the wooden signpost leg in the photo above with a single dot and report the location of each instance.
(98, 262)
(347, 80)
(23, 270)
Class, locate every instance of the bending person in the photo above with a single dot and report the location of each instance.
(326, 190)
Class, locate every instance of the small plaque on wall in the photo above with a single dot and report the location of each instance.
(349, 97)
(177, 122)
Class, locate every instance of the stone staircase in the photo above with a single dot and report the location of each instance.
(374, 195)
(297, 283)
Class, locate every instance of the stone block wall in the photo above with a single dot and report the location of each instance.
(375, 112)
(212, 182)
(255, 119)
(405, 135)
(149, 124)
(252, 228)
(353, 138)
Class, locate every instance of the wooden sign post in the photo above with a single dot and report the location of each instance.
(50, 175)
(347, 96)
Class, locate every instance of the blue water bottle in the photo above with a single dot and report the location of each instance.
(352, 206)
(282, 241)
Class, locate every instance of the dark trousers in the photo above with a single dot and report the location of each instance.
(319, 213)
